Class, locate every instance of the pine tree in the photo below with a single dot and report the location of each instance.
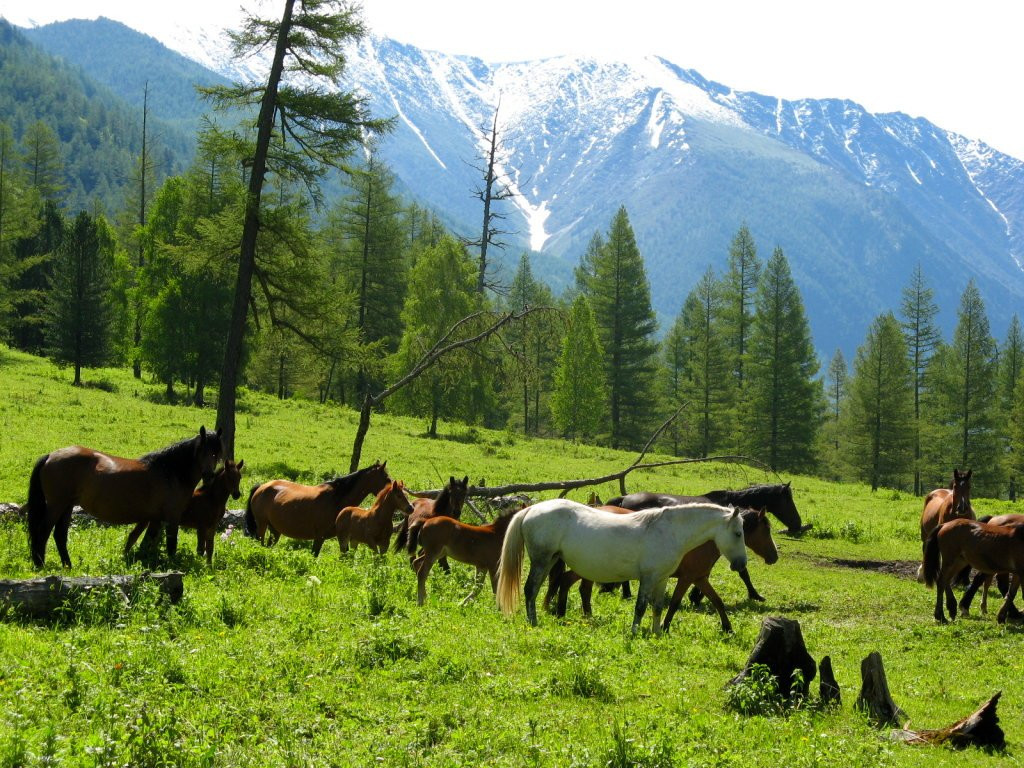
(579, 400)
(738, 295)
(78, 313)
(782, 401)
(918, 321)
(709, 387)
(964, 400)
(881, 407)
(620, 297)
(1011, 365)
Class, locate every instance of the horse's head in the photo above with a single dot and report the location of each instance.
(457, 492)
(395, 498)
(962, 493)
(375, 477)
(209, 448)
(729, 539)
(757, 533)
(786, 511)
(233, 477)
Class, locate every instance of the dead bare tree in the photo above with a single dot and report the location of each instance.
(493, 190)
(442, 347)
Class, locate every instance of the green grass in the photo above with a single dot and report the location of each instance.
(277, 658)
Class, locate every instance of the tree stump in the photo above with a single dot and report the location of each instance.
(828, 688)
(780, 647)
(981, 729)
(874, 698)
(41, 598)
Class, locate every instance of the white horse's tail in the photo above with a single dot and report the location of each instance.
(510, 566)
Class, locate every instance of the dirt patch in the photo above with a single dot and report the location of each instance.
(904, 569)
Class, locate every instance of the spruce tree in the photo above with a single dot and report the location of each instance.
(782, 401)
(78, 312)
(738, 295)
(918, 310)
(1011, 365)
(675, 356)
(620, 297)
(43, 162)
(579, 400)
(535, 341)
(881, 407)
(836, 390)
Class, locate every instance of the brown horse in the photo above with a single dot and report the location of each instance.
(205, 509)
(372, 527)
(988, 548)
(449, 503)
(153, 488)
(694, 568)
(984, 580)
(309, 511)
(477, 545)
(943, 505)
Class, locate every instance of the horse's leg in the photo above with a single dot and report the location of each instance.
(422, 566)
(564, 582)
(1008, 600)
(673, 603)
(172, 539)
(211, 534)
(443, 562)
(477, 586)
(939, 588)
(695, 595)
(752, 594)
(554, 583)
(133, 537)
(317, 545)
(627, 593)
(657, 599)
(539, 568)
(707, 589)
(60, 538)
(981, 580)
(586, 590)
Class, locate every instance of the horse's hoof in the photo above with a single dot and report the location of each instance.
(757, 597)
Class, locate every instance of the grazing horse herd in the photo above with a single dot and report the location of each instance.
(642, 537)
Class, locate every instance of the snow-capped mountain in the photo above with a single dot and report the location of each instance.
(854, 199)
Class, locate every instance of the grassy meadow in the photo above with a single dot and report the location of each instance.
(275, 658)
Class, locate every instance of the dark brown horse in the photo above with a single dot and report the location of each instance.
(776, 499)
(449, 503)
(477, 545)
(694, 568)
(943, 505)
(985, 547)
(984, 580)
(372, 527)
(153, 488)
(309, 511)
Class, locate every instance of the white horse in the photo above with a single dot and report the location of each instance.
(606, 547)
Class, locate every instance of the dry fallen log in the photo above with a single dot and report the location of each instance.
(42, 597)
(874, 698)
(828, 688)
(981, 729)
(780, 647)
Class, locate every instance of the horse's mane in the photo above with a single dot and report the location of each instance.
(745, 494)
(345, 483)
(175, 461)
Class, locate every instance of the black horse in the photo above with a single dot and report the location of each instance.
(776, 499)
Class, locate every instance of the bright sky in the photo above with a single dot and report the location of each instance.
(956, 63)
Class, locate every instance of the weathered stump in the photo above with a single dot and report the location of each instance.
(980, 729)
(828, 688)
(780, 647)
(874, 698)
(43, 597)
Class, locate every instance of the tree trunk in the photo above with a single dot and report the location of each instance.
(44, 597)
(874, 698)
(780, 647)
(828, 688)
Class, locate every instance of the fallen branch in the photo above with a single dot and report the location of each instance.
(43, 597)
(980, 729)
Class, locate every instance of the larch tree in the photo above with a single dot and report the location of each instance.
(675, 358)
(303, 128)
(782, 401)
(708, 386)
(964, 401)
(1011, 366)
(78, 310)
(739, 289)
(836, 391)
(43, 162)
(620, 296)
(881, 407)
(918, 312)
(579, 400)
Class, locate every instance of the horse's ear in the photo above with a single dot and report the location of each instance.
(384, 464)
(789, 483)
(761, 513)
(735, 513)
(968, 475)
(451, 479)
(465, 480)
(240, 464)
(202, 432)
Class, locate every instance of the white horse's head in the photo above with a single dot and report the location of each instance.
(729, 539)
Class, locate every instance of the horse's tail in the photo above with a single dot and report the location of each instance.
(36, 511)
(250, 518)
(932, 559)
(414, 538)
(402, 539)
(510, 566)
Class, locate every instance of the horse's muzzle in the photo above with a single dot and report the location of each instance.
(738, 564)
